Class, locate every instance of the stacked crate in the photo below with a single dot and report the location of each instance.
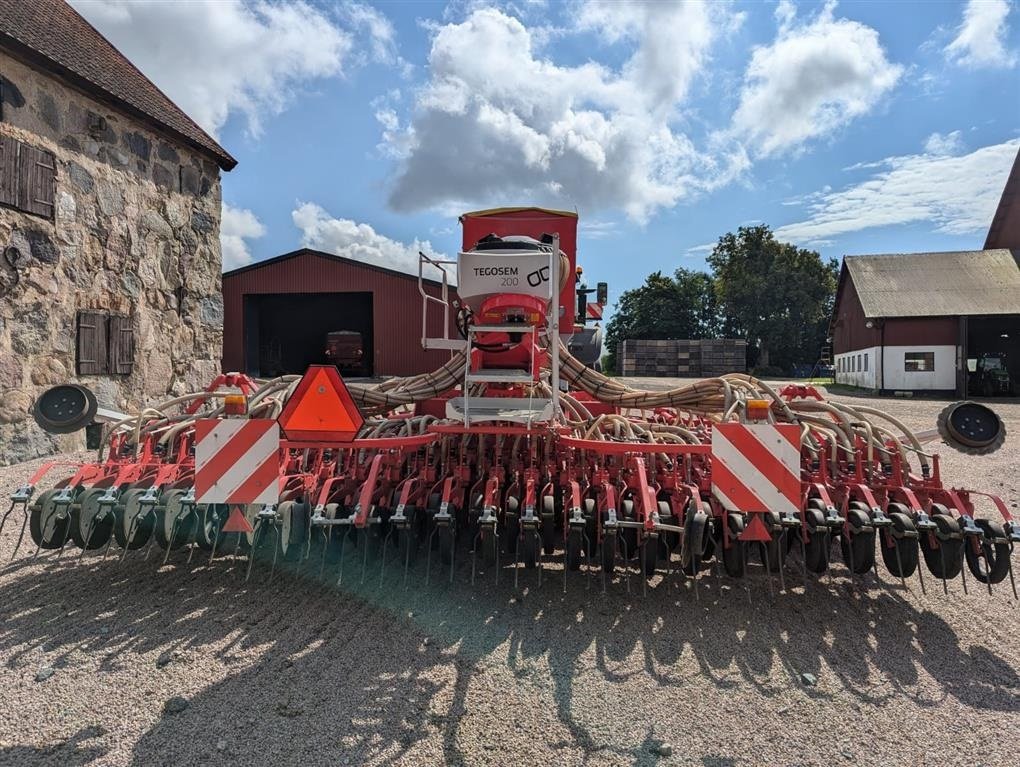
(682, 358)
(651, 358)
(723, 355)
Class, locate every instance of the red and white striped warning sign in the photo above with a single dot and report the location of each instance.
(237, 461)
(756, 467)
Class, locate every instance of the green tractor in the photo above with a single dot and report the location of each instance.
(990, 377)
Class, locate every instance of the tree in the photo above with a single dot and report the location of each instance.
(682, 306)
(777, 296)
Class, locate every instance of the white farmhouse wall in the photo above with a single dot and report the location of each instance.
(849, 369)
(943, 378)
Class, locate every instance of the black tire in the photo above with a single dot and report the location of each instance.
(549, 525)
(819, 543)
(590, 526)
(995, 555)
(734, 561)
(172, 520)
(334, 536)
(697, 537)
(46, 532)
(944, 559)
(489, 541)
(407, 537)
(574, 547)
(512, 513)
(446, 539)
(608, 552)
(209, 525)
(858, 547)
(291, 538)
(82, 513)
(650, 555)
(903, 564)
(668, 540)
(128, 515)
(529, 549)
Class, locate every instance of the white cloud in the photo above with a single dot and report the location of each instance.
(497, 119)
(952, 194)
(236, 226)
(811, 81)
(344, 237)
(943, 144)
(981, 38)
(219, 57)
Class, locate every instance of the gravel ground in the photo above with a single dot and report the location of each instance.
(293, 671)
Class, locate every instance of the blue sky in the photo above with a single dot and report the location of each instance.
(364, 129)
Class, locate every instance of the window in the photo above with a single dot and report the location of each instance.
(26, 177)
(865, 362)
(105, 344)
(919, 362)
(853, 364)
(859, 368)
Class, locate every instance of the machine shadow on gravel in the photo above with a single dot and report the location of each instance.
(363, 656)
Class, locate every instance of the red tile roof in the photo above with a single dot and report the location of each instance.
(50, 34)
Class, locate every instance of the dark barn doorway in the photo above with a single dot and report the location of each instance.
(286, 332)
(993, 356)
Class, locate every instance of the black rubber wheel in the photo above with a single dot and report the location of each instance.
(650, 555)
(511, 513)
(334, 536)
(209, 527)
(291, 536)
(668, 540)
(608, 552)
(173, 520)
(529, 548)
(858, 547)
(995, 555)
(734, 561)
(132, 521)
(445, 536)
(944, 558)
(819, 543)
(590, 526)
(47, 532)
(904, 564)
(697, 539)
(574, 546)
(549, 525)
(83, 512)
(407, 537)
(489, 542)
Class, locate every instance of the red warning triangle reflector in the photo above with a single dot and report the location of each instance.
(237, 523)
(321, 409)
(756, 530)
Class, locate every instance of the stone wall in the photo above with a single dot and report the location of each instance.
(135, 232)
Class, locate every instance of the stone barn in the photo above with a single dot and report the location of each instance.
(109, 226)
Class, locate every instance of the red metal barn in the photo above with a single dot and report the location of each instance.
(278, 312)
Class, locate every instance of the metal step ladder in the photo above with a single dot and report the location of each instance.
(525, 410)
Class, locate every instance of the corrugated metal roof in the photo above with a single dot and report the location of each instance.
(959, 283)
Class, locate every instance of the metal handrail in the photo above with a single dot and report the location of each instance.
(444, 301)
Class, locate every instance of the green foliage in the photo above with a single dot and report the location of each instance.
(682, 306)
(776, 296)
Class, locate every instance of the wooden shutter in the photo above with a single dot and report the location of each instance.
(38, 171)
(92, 345)
(122, 345)
(9, 170)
